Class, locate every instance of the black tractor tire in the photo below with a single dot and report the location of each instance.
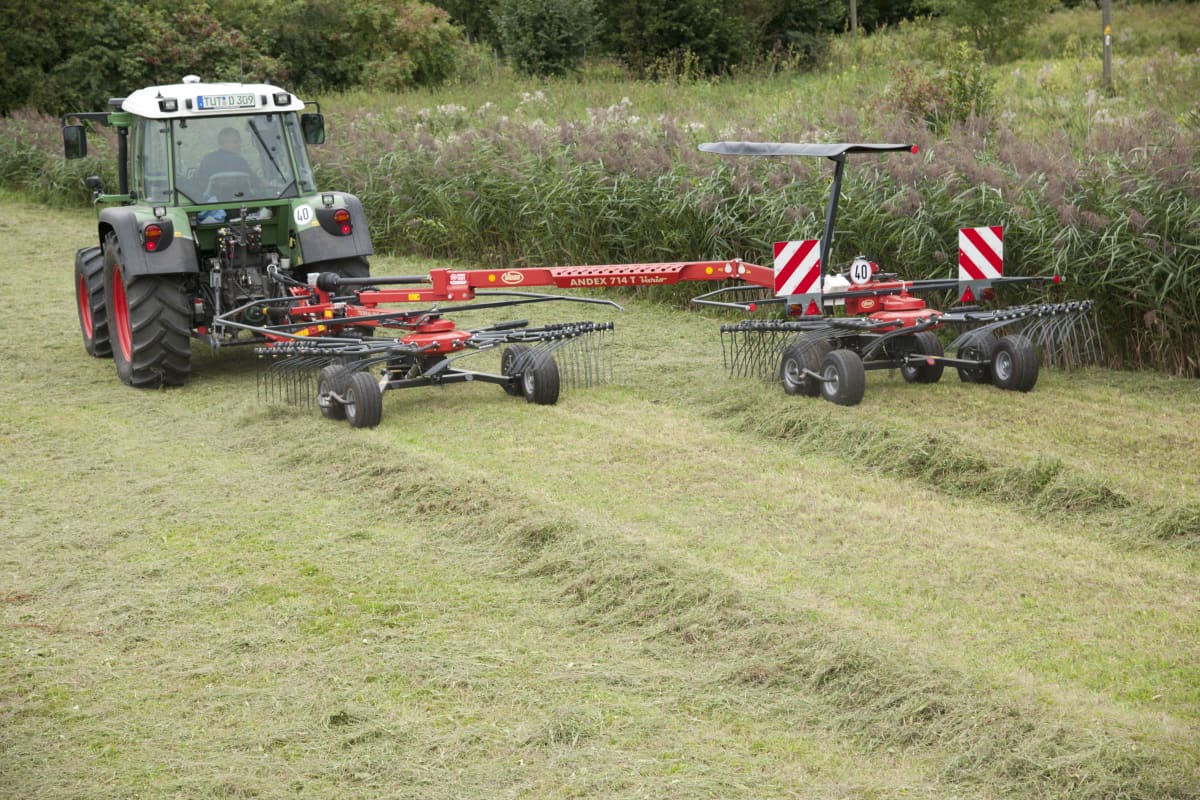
(1015, 363)
(511, 362)
(349, 267)
(364, 401)
(924, 343)
(539, 378)
(805, 354)
(150, 324)
(981, 348)
(89, 300)
(845, 378)
(331, 380)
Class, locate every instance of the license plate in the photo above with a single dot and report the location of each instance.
(210, 102)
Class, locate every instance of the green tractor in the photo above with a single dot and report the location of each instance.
(216, 210)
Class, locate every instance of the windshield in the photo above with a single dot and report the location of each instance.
(239, 158)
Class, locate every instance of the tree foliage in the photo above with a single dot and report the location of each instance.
(996, 29)
(76, 54)
(546, 37)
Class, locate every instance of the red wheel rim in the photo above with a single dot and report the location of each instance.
(83, 296)
(120, 313)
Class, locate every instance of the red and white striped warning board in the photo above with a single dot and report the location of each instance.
(798, 273)
(980, 259)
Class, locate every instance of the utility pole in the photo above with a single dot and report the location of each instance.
(1106, 15)
(854, 16)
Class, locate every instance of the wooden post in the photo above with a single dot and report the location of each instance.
(1106, 15)
(853, 17)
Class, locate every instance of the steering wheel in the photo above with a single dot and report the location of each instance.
(226, 185)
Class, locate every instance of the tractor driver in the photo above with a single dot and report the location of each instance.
(231, 170)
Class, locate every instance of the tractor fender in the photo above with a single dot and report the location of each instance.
(311, 222)
(178, 255)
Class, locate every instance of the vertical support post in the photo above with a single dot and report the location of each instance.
(853, 16)
(1106, 15)
(835, 194)
(123, 159)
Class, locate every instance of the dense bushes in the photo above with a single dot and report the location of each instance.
(546, 37)
(74, 55)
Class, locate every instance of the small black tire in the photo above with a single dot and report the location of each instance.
(331, 380)
(845, 378)
(89, 300)
(804, 354)
(981, 348)
(539, 378)
(925, 343)
(364, 401)
(150, 324)
(1015, 363)
(511, 361)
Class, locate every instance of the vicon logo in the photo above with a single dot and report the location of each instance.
(512, 277)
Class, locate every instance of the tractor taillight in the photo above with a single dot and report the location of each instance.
(151, 237)
(342, 218)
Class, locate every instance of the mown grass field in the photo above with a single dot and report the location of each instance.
(679, 585)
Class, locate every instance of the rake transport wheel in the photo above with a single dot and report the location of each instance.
(980, 348)
(89, 299)
(804, 354)
(539, 378)
(149, 319)
(844, 378)
(1015, 363)
(510, 364)
(364, 401)
(924, 343)
(331, 380)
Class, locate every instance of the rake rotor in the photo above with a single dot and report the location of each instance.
(582, 352)
(1066, 334)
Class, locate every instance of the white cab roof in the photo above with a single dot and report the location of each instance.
(195, 98)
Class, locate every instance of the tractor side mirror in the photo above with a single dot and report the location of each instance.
(312, 126)
(74, 141)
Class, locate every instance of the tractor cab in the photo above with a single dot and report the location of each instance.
(196, 143)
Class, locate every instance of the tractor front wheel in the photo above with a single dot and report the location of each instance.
(539, 379)
(925, 343)
(806, 354)
(89, 299)
(1015, 363)
(149, 317)
(364, 401)
(844, 378)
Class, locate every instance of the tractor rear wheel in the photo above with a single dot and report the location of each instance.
(331, 380)
(350, 267)
(804, 354)
(539, 378)
(89, 299)
(1015, 363)
(150, 324)
(364, 401)
(928, 344)
(511, 362)
(845, 378)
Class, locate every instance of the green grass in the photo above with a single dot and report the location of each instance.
(677, 585)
